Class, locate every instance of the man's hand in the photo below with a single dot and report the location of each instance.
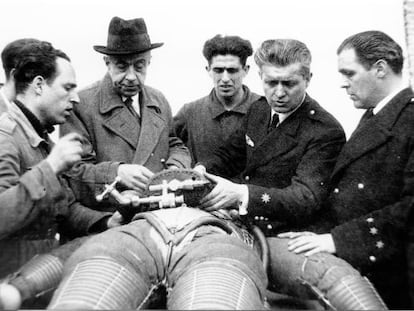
(134, 176)
(115, 220)
(66, 152)
(200, 169)
(225, 194)
(309, 242)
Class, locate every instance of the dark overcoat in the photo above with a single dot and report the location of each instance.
(287, 171)
(373, 187)
(113, 136)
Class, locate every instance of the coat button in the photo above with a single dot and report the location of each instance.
(361, 186)
(370, 219)
(336, 190)
(256, 217)
(247, 178)
(261, 218)
(372, 258)
(373, 231)
(269, 227)
(312, 112)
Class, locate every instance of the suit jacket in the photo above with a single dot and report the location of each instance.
(373, 187)
(113, 136)
(34, 201)
(287, 171)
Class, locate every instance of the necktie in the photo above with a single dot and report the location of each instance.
(128, 103)
(274, 123)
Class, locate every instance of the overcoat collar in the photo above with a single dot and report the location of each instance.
(110, 100)
(142, 136)
(375, 132)
(280, 140)
(34, 139)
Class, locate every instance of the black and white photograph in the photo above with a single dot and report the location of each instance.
(207, 155)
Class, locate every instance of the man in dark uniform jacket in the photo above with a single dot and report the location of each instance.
(372, 182)
(288, 172)
(283, 171)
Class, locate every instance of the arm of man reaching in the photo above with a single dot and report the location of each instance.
(310, 162)
(30, 194)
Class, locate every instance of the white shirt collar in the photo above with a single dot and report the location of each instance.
(135, 103)
(285, 115)
(387, 99)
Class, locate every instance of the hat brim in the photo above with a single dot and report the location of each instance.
(104, 50)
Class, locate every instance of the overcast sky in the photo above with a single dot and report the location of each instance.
(178, 67)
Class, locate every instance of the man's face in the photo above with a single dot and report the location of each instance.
(284, 87)
(227, 73)
(59, 95)
(128, 72)
(360, 83)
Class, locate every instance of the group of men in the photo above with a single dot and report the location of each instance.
(336, 214)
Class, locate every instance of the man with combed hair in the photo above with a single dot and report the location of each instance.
(362, 227)
(287, 175)
(12, 53)
(36, 202)
(207, 122)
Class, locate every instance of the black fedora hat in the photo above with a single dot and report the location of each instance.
(127, 37)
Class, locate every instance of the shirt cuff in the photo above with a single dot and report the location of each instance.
(243, 203)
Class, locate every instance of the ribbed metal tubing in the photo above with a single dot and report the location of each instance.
(100, 283)
(355, 293)
(40, 274)
(214, 285)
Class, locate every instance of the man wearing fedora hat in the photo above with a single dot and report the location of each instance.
(127, 125)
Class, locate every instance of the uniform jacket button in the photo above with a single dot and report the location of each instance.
(269, 226)
(247, 178)
(372, 258)
(336, 190)
(361, 186)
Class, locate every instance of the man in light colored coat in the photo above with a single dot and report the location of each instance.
(126, 125)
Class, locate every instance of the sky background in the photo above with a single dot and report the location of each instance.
(178, 67)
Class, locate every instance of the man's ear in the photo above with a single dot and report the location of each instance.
(381, 68)
(246, 69)
(38, 84)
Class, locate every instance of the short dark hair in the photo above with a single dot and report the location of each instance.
(38, 59)
(227, 45)
(284, 52)
(371, 46)
(13, 52)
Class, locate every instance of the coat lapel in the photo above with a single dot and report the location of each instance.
(152, 125)
(374, 133)
(116, 116)
(279, 141)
